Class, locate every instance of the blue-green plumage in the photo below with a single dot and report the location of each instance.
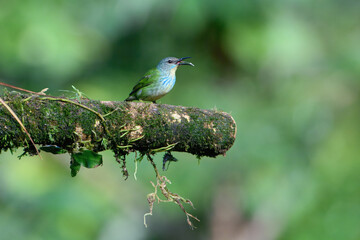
(158, 81)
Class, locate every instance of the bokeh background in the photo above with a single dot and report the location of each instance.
(287, 71)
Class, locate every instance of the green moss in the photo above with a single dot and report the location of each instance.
(88, 122)
(53, 121)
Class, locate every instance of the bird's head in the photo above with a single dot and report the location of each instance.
(172, 63)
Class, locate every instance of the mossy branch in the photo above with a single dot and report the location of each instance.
(85, 127)
(120, 126)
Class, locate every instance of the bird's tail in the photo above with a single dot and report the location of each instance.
(130, 98)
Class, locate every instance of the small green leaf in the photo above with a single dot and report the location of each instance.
(168, 157)
(53, 149)
(88, 158)
(104, 143)
(74, 167)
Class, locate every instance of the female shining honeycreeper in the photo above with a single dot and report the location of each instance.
(158, 81)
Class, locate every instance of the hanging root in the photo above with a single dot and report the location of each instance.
(122, 162)
(161, 183)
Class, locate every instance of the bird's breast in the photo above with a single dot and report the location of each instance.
(159, 88)
(167, 83)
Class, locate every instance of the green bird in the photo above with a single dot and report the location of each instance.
(158, 81)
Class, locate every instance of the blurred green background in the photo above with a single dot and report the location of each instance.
(287, 71)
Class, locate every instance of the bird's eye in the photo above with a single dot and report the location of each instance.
(169, 61)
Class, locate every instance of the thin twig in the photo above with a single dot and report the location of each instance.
(21, 89)
(21, 124)
(75, 103)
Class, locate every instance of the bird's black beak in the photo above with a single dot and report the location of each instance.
(181, 62)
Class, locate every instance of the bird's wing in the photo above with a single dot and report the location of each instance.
(145, 81)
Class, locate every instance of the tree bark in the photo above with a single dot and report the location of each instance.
(120, 126)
